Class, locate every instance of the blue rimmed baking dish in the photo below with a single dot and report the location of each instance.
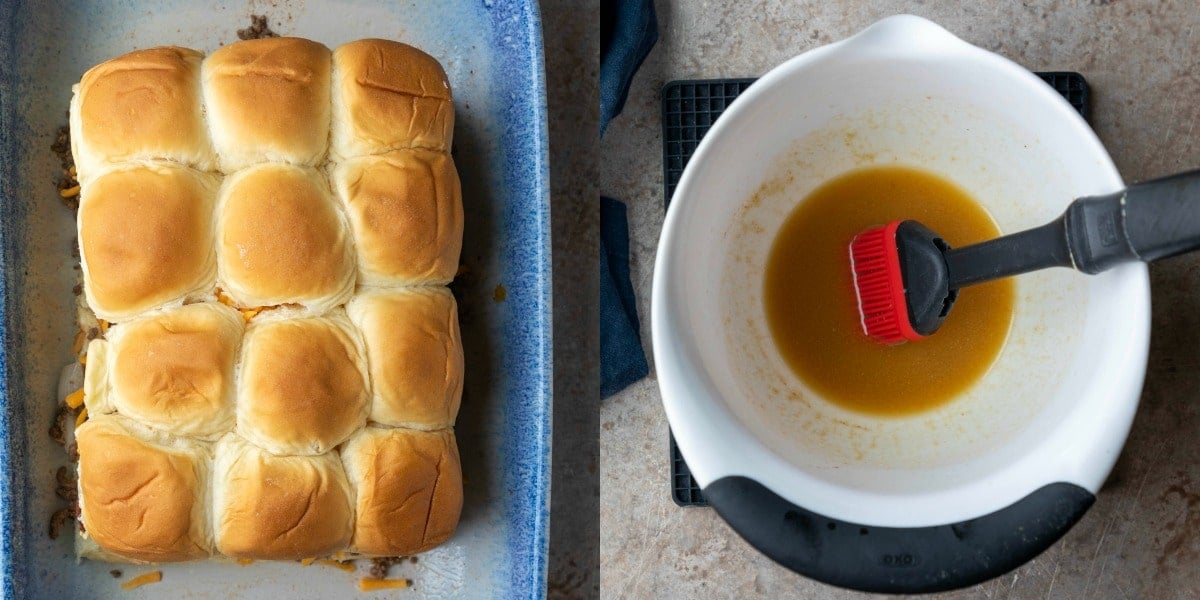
(493, 55)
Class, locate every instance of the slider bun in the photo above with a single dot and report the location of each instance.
(282, 240)
(173, 370)
(146, 239)
(415, 355)
(409, 489)
(268, 100)
(142, 494)
(278, 507)
(303, 384)
(405, 209)
(96, 379)
(387, 96)
(142, 105)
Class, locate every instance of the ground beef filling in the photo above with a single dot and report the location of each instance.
(68, 183)
(380, 566)
(258, 29)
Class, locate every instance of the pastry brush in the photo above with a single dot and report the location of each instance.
(906, 277)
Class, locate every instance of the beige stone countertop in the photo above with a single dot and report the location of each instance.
(1142, 537)
(571, 39)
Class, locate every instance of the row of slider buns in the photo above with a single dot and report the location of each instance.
(291, 383)
(386, 492)
(285, 100)
(292, 437)
(157, 235)
(273, 169)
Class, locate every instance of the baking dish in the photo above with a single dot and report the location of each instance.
(493, 55)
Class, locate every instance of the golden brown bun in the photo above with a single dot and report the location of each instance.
(143, 105)
(282, 240)
(405, 209)
(408, 486)
(278, 507)
(387, 96)
(415, 355)
(268, 101)
(143, 496)
(303, 386)
(146, 239)
(174, 370)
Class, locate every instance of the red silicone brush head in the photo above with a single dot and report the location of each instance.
(879, 285)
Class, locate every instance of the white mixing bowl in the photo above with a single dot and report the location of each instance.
(940, 499)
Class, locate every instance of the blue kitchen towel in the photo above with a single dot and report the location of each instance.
(628, 30)
(622, 359)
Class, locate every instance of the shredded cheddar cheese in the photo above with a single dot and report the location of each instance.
(81, 418)
(103, 326)
(72, 170)
(69, 192)
(143, 579)
(245, 561)
(80, 338)
(249, 313)
(75, 398)
(347, 567)
(223, 298)
(307, 561)
(370, 584)
(83, 359)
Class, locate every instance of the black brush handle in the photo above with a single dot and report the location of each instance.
(1155, 219)
(1021, 252)
(1146, 221)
